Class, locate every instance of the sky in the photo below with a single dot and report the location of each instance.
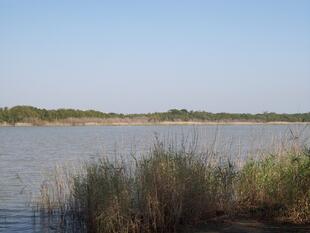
(146, 56)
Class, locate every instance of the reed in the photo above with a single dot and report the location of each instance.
(277, 186)
(170, 189)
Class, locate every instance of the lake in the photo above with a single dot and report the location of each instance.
(29, 154)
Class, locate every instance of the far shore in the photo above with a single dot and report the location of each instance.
(142, 123)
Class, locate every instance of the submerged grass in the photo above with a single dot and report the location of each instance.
(170, 189)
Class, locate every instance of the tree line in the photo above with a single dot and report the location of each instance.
(27, 113)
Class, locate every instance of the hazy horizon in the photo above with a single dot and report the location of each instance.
(140, 57)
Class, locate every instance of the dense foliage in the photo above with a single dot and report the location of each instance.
(185, 115)
(29, 113)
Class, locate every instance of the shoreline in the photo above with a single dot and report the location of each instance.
(163, 123)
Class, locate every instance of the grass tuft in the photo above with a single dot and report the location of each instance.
(171, 189)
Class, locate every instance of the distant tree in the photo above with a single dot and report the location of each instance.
(29, 113)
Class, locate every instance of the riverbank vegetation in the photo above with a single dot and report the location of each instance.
(37, 116)
(171, 189)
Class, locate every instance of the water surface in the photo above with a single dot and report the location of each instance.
(28, 154)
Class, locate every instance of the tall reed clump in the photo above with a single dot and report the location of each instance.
(165, 190)
(171, 188)
(103, 197)
(277, 186)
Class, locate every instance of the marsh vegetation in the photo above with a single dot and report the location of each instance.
(173, 188)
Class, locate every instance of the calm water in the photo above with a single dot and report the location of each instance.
(28, 154)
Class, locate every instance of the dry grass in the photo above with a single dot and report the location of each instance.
(171, 188)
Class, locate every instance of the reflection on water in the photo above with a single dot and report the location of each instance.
(28, 154)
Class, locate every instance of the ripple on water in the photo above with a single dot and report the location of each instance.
(28, 154)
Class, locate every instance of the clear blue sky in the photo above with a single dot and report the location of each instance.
(145, 56)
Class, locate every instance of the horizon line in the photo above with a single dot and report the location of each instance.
(137, 113)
